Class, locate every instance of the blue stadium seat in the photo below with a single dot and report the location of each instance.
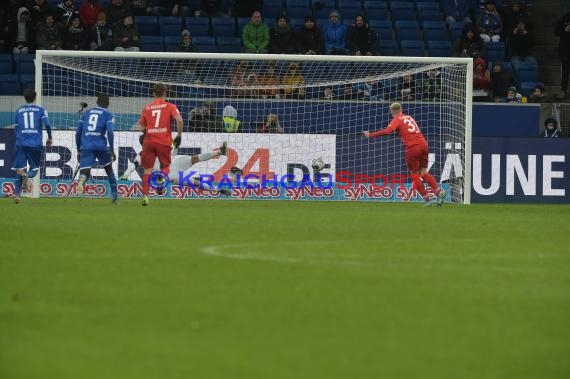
(349, 9)
(428, 11)
(435, 31)
(298, 3)
(171, 20)
(402, 10)
(377, 10)
(6, 64)
(298, 11)
(323, 12)
(272, 10)
(206, 48)
(526, 72)
(229, 44)
(147, 25)
(406, 30)
(383, 27)
(241, 22)
(456, 28)
(439, 48)
(223, 27)
(10, 85)
(152, 43)
(25, 64)
(274, 2)
(388, 47)
(171, 42)
(495, 51)
(297, 23)
(170, 30)
(198, 25)
(412, 48)
(205, 40)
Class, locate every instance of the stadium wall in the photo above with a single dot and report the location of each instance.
(489, 120)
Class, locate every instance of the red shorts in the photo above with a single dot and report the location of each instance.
(417, 157)
(151, 151)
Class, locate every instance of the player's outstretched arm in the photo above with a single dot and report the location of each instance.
(47, 125)
(378, 133)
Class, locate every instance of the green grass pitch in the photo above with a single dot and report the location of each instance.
(283, 290)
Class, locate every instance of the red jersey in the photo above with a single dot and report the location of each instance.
(157, 117)
(407, 128)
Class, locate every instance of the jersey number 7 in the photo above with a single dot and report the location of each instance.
(156, 114)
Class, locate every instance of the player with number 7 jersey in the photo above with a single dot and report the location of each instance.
(417, 152)
(156, 125)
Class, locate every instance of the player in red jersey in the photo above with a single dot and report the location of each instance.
(156, 125)
(416, 152)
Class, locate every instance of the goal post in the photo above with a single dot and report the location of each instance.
(321, 105)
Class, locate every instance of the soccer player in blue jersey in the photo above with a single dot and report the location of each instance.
(29, 121)
(94, 130)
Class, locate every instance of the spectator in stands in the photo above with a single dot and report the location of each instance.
(230, 122)
(369, 90)
(551, 129)
(75, 36)
(126, 35)
(521, 43)
(335, 35)
(4, 25)
(116, 12)
(64, 12)
(432, 86)
(141, 7)
(243, 80)
(22, 32)
(169, 8)
(537, 95)
(490, 24)
(328, 94)
(350, 93)
(293, 80)
(481, 78)
(469, 44)
(407, 88)
(204, 119)
(255, 36)
(39, 9)
(89, 11)
(282, 38)
(310, 38)
(361, 39)
(271, 125)
(501, 81)
(457, 10)
(562, 30)
(270, 82)
(512, 15)
(186, 45)
(48, 36)
(100, 35)
(211, 8)
(513, 96)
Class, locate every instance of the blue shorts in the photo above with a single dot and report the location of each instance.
(24, 155)
(87, 158)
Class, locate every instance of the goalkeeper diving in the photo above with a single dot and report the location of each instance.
(417, 152)
(181, 165)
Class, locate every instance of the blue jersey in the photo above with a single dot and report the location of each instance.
(94, 129)
(29, 121)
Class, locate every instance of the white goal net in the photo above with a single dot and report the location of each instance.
(292, 110)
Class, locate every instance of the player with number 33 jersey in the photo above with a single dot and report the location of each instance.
(417, 152)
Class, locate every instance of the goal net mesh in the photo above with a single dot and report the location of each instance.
(291, 112)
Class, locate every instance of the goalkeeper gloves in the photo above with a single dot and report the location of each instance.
(141, 139)
(176, 142)
(112, 155)
(124, 177)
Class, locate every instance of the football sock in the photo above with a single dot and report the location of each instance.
(420, 187)
(18, 185)
(210, 155)
(430, 180)
(145, 184)
(112, 180)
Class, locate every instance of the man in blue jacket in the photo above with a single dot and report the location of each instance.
(335, 35)
(457, 10)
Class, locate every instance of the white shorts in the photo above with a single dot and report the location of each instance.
(180, 164)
